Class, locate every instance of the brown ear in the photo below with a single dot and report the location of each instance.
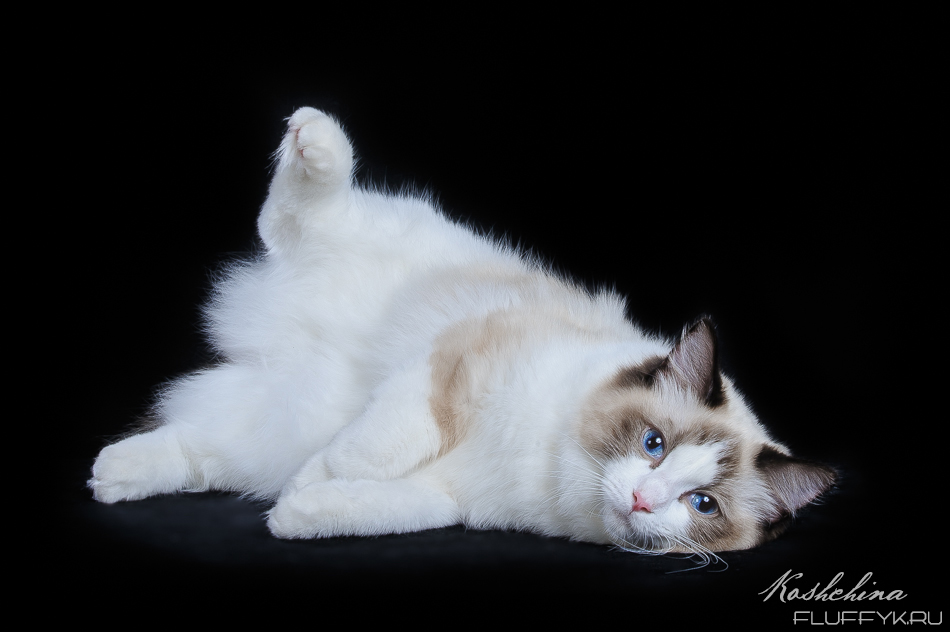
(694, 363)
(793, 482)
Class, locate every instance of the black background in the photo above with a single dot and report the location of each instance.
(771, 173)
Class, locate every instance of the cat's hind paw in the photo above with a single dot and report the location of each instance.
(316, 147)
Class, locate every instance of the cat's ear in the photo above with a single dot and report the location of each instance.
(793, 482)
(694, 363)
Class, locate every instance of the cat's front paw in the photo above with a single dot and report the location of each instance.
(316, 146)
(323, 510)
(291, 519)
(137, 467)
(116, 476)
(367, 508)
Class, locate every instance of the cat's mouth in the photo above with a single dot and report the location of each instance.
(626, 534)
(634, 531)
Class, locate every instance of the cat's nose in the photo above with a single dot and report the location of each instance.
(641, 504)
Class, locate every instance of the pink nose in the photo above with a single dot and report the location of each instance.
(640, 503)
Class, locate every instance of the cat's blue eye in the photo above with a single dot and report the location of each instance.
(703, 504)
(653, 443)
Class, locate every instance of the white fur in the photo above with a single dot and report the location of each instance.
(322, 401)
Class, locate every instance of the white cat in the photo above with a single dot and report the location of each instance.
(385, 370)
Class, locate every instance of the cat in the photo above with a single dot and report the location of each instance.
(384, 369)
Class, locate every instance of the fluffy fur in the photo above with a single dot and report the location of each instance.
(383, 370)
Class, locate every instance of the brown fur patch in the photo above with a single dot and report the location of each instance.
(640, 375)
(612, 423)
(465, 354)
(461, 360)
(451, 380)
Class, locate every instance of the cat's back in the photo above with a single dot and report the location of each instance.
(503, 301)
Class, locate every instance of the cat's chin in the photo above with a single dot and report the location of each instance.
(630, 535)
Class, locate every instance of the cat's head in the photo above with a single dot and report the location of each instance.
(685, 465)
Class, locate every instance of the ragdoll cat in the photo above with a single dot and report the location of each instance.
(385, 370)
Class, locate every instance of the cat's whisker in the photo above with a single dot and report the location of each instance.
(705, 556)
(625, 545)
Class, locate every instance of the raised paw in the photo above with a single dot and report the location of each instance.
(316, 146)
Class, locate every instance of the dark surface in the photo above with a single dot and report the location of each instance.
(772, 184)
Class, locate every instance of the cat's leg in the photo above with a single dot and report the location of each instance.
(363, 507)
(367, 479)
(394, 435)
(234, 427)
(311, 182)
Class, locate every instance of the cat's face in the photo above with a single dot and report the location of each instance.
(685, 466)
